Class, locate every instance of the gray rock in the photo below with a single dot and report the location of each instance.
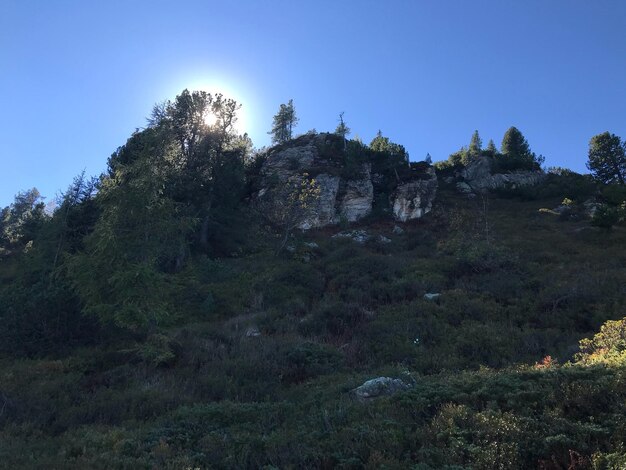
(253, 332)
(342, 198)
(357, 200)
(477, 176)
(311, 245)
(359, 236)
(379, 387)
(562, 209)
(414, 199)
(383, 239)
(323, 213)
(432, 296)
(591, 207)
(397, 230)
(465, 189)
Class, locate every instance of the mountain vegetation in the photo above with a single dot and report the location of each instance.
(158, 317)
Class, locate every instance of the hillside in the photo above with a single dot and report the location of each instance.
(165, 317)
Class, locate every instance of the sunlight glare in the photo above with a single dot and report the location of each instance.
(228, 92)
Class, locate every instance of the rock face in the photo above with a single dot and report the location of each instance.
(345, 194)
(477, 176)
(379, 387)
(324, 211)
(414, 199)
(357, 200)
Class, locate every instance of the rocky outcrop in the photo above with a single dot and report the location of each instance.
(343, 194)
(478, 176)
(414, 199)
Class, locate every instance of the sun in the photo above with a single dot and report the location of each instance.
(229, 85)
(210, 119)
(227, 91)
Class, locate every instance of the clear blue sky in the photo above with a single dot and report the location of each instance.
(77, 77)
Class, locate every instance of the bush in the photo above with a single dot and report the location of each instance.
(606, 347)
(605, 217)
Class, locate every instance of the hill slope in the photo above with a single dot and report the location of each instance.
(260, 372)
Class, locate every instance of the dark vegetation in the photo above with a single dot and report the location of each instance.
(148, 323)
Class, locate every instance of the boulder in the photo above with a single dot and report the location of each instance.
(465, 189)
(590, 207)
(379, 387)
(415, 198)
(432, 296)
(253, 332)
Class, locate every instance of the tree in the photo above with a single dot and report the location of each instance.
(284, 122)
(342, 129)
(123, 273)
(516, 153)
(287, 204)
(514, 145)
(491, 148)
(382, 144)
(475, 146)
(607, 158)
(21, 221)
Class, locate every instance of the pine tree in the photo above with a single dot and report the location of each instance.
(514, 145)
(491, 148)
(284, 122)
(516, 153)
(607, 158)
(475, 146)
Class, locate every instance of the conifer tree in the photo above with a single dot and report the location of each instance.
(516, 153)
(514, 145)
(491, 148)
(342, 129)
(475, 146)
(607, 158)
(284, 122)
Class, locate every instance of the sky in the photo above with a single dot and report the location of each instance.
(78, 77)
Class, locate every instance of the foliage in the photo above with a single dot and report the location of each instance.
(383, 145)
(607, 158)
(606, 347)
(605, 217)
(20, 222)
(286, 204)
(515, 153)
(475, 147)
(284, 122)
(342, 129)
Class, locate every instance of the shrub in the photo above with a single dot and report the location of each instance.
(606, 347)
(605, 217)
